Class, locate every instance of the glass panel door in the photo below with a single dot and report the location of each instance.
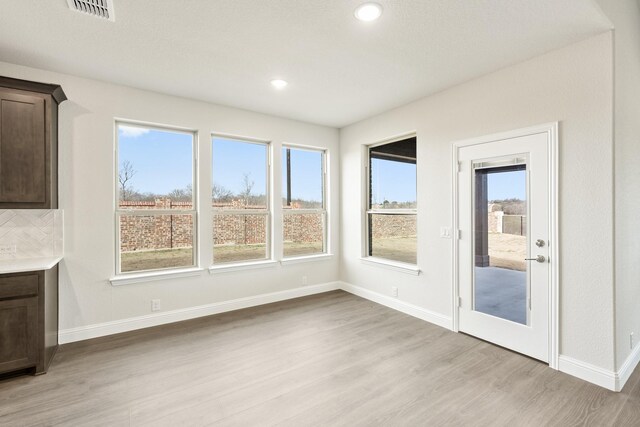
(500, 240)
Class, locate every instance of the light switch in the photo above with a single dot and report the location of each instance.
(445, 232)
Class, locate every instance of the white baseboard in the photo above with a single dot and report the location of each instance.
(628, 367)
(396, 304)
(118, 326)
(611, 380)
(588, 372)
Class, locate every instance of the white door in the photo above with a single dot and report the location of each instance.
(503, 251)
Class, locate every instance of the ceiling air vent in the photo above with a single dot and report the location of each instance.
(98, 8)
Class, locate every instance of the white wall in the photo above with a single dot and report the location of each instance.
(87, 197)
(571, 85)
(625, 15)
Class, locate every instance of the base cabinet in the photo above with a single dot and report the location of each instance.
(18, 329)
(28, 320)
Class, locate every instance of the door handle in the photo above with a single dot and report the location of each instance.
(539, 258)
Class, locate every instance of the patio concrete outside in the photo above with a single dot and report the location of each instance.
(502, 293)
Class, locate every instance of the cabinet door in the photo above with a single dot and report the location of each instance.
(23, 149)
(18, 333)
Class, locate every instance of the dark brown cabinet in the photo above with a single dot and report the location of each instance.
(18, 329)
(28, 320)
(29, 144)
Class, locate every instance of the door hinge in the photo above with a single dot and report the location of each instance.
(529, 303)
(459, 301)
(459, 166)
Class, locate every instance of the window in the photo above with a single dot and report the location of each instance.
(155, 206)
(303, 202)
(391, 206)
(240, 200)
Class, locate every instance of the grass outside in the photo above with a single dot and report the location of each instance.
(172, 258)
(238, 253)
(153, 260)
(292, 249)
(508, 251)
(402, 249)
(505, 251)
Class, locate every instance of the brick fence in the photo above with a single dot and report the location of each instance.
(499, 222)
(175, 231)
(384, 226)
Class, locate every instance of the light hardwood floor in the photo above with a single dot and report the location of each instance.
(329, 359)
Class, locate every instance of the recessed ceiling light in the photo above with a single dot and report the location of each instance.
(368, 12)
(279, 84)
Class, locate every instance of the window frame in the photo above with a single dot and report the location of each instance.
(368, 211)
(119, 213)
(323, 210)
(267, 212)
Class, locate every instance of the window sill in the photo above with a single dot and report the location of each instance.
(392, 265)
(308, 258)
(224, 268)
(150, 276)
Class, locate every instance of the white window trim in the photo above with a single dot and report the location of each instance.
(242, 266)
(307, 258)
(261, 262)
(135, 276)
(155, 275)
(323, 211)
(369, 259)
(402, 267)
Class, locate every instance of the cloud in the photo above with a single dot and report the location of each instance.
(132, 131)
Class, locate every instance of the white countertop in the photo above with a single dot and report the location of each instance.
(28, 264)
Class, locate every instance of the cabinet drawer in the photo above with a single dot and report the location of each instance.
(19, 286)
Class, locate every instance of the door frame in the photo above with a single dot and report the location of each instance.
(551, 129)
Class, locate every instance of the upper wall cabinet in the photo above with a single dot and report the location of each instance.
(29, 144)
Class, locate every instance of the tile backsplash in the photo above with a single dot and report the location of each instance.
(31, 233)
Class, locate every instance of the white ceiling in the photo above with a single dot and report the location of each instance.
(339, 70)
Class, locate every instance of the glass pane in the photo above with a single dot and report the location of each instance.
(155, 242)
(393, 175)
(393, 237)
(239, 174)
(303, 234)
(501, 243)
(302, 179)
(155, 168)
(238, 238)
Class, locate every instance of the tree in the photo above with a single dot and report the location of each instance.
(125, 175)
(220, 194)
(247, 186)
(181, 194)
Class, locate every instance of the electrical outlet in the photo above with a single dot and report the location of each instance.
(631, 340)
(155, 305)
(7, 251)
(304, 280)
(394, 291)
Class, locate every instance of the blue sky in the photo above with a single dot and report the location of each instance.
(507, 185)
(163, 160)
(393, 181)
(306, 175)
(232, 159)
